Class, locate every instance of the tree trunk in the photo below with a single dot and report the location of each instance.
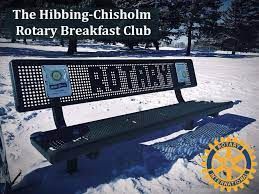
(62, 42)
(189, 35)
(24, 41)
(234, 48)
(130, 46)
(156, 44)
(72, 46)
(13, 40)
(147, 45)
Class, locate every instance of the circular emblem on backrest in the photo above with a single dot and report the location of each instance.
(56, 75)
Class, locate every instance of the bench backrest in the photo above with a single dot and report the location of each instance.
(42, 84)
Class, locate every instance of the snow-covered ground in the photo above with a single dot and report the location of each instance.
(220, 76)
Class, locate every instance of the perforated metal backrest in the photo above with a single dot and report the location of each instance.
(93, 80)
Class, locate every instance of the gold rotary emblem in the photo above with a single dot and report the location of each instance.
(228, 164)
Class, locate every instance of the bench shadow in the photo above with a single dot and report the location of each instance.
(132, 159)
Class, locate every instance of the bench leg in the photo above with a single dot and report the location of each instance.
(189, 125)
(93, 155)
(72, 166)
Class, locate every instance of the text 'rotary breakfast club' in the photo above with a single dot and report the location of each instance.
(83, 16)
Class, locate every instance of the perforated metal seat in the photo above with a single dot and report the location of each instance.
(72, 141)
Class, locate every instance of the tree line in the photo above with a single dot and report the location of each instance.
(233, 26)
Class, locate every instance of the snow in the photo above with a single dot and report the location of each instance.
(220, 76)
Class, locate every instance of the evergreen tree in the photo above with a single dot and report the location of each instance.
(198, 18)
(240, 25)
(168, 17)
(135, 4)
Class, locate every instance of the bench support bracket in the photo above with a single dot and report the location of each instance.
(60, 123)
(72, 166)
(189, 124)
(58, 117)
(179, 96)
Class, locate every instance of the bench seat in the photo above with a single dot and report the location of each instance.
(69, 142)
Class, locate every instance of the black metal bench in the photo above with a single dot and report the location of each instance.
(40, 84)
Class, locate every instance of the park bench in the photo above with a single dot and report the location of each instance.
(40, 84)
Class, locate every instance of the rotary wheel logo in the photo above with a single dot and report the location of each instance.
(228, 164)
(56, 75)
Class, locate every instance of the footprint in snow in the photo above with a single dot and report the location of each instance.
(14, 156)
(2, 84)
(20, 127)
(9, 138)
(31, 116)
(2, 91)
(2, 77)
(9, 104)
(6, 117)
(3, 111)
